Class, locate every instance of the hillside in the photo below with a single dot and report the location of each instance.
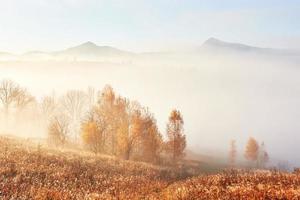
(30, 171)
(235, 185)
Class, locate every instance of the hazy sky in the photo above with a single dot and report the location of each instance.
(144, 25)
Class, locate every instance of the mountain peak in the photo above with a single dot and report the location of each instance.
(213, 41)
(89, 50)
(88, 44)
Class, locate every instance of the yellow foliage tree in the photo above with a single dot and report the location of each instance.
(129, 134)
(124, 128)
(151, 139)
(92, 136)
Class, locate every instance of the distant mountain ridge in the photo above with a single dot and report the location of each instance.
(87, 51)
(90, 51)
(213, 44)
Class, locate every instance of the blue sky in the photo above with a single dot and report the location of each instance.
(144, 25)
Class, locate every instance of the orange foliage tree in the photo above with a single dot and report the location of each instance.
(126, 128)
(129, 134)
(92, 136)
(176, 139)
(151, 139)
(138, 134)
(252, 150)
(93, 131)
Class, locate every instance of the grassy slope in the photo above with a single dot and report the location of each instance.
(30, 172)
(235, 185)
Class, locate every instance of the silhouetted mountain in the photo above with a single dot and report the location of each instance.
(90, 49)
(215, 43)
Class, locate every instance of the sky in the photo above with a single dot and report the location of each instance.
(144, 25)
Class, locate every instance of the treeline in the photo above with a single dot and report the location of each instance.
(255, 154)
(100, 121)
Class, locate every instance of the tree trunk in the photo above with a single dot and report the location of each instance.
(127, 154)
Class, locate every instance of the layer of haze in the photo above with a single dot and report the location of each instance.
(221, 97)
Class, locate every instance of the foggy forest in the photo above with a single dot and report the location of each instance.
(124, 100)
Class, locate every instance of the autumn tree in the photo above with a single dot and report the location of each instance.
(152, 143)
(176, 139)
(129, 135)
(150, 138)
(232, 153)
(99, 130)
(106, 110)
(138, 134)
(58, 130)
(92, 135)
(121, 127)
(252, 150)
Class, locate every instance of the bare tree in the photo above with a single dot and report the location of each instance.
(263, 156)
(48, 107)
(23, 99)
(58, 130)
(232, 153)
(91, 97)
(74, 105)
(74, 102)
(9, 94)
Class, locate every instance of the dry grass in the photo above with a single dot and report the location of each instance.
(33, 173)
(29, 172)
(237, 185)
